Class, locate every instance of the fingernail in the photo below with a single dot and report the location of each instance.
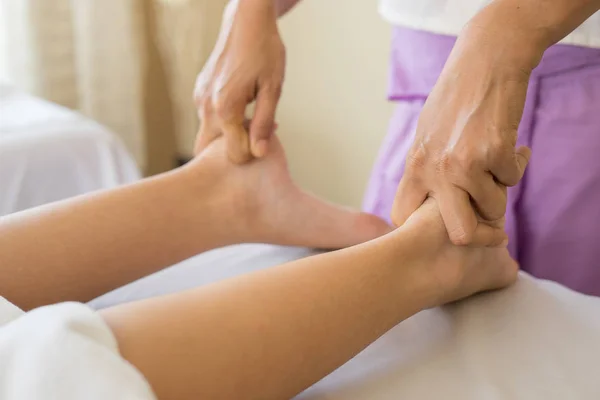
(260, 147)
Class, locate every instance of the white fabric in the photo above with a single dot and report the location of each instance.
(100, 57)
(63, 352)
(206, 268)
(85, 55)
(49, 153)
(449, 16)
(534, 341)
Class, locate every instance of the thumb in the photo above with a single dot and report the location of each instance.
(410, 195)
(488, 236)
(230, 116)
(237, 142)
(262, 125)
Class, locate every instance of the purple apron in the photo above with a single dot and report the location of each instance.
(553, 215)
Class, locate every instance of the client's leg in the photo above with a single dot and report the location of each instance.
(273, 333)
(84, 247)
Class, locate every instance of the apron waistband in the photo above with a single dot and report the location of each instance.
(418, 57)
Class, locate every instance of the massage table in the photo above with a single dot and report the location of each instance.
(49, 153)
(535, 340)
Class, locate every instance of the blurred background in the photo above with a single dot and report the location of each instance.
(131, 66)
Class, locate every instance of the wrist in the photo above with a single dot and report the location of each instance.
(410, 253)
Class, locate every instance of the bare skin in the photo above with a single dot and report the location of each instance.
(256, 204)
(464, 151)
(229, 83)
(261, 335)
(273, 333)
(464, 154)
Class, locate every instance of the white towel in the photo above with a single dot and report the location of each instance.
(63, 352)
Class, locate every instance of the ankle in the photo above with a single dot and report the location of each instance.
(212, 209)
(439, 263)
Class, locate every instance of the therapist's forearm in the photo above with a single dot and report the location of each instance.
(523, 29)
(79, 249)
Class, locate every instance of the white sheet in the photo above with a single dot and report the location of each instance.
(535, 340)
(49, 153)
(63, 352)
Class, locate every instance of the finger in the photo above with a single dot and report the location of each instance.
(236, 139)
(458, 215)
(263, 121)
(207, 132)
(410, 195)
(488, 236)
(523, 154)
(511, 165)
(230, 116)
(488, 196)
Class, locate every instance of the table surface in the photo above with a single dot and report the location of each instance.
(535, 340)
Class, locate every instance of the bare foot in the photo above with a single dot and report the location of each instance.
(455, 271)
(266, 206)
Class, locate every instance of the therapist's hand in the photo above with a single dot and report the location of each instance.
(464, 151)
(247, 64)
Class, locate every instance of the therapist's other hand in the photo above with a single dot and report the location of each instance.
(464, 151)
(247, 64)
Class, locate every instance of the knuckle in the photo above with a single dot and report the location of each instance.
(273, 88)
(492, 151)
(201, 96)
(203, 101)
(445, 164)
(459, 236)
(201, 90)
(466, 161)
(222, 106)
(416, 158)
(199, 99)
(202, 82)
(497, 149)
(203, 104)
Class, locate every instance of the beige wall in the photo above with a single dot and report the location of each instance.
(333, 114)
